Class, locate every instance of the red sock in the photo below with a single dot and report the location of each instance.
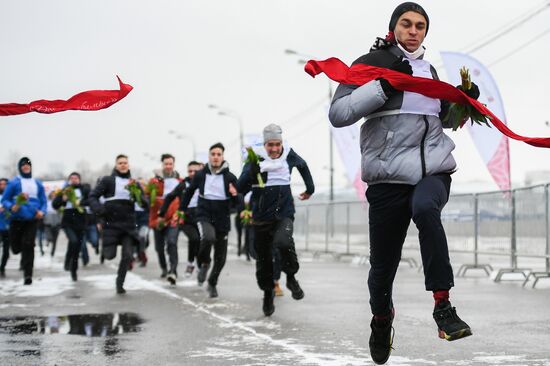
(382, 318)
(441, 296)
(385, 317)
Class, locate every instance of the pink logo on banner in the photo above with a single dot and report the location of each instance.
(499, 165)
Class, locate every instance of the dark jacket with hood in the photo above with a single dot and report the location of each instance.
(215, 211)
(190, 212)
(274, 201)
(118, 210)
(72, 218)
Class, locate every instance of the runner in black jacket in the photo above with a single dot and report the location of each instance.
(74, 218)
(217, 190)
(189, 227)
(118, 214)
(273, 211)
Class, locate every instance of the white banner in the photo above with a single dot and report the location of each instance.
(491, 144)
(347, 142)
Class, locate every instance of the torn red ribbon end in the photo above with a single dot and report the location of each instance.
(91, 100)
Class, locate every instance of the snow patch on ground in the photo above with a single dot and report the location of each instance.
(186, 283)
(45, 286)
(132, 282)
(484, 358)
(40, 262)
(263, 324)
(22, 306)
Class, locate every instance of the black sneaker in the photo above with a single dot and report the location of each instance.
(27, 281)
(171, 278)
(74, 277)
(294, 287)
(164, 273)
(2, 273)
(381, 339)
(449, 325)
(212, 292)
(201, 277)
(268, 305)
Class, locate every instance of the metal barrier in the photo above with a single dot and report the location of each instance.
(513, 225)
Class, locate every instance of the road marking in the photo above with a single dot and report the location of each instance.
(298, 349)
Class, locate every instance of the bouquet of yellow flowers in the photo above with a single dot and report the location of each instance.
(460, 113)
(253, 158)
(72, 198)
(135, 192)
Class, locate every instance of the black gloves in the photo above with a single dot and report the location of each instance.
(473, 92)
(399, 65)
(402, 66)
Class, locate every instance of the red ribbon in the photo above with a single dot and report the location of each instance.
(91, 100)
(360, 74)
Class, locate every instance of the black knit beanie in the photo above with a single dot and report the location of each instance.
(405, 7)
(23, 161)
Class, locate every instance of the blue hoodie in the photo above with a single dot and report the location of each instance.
(4, 220)
(26, 212)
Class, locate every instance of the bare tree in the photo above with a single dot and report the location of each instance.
(84, 168)
(56, 171)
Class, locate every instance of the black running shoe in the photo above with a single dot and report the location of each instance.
(212, 292)
(120, 290)
(171, 278)
(27, 281)
(164, 273)
(268, 305)
(201, 277)
(294, 287)
(74, 276)
(381, 339)
(449, 325)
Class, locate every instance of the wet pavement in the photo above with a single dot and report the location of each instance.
(58, 322)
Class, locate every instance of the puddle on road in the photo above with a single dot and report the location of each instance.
(90, 325)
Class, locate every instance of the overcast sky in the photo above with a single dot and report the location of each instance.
(182, 55)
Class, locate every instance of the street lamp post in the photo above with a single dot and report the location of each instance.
(235, 116)
(331, 143)
(180, 136)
